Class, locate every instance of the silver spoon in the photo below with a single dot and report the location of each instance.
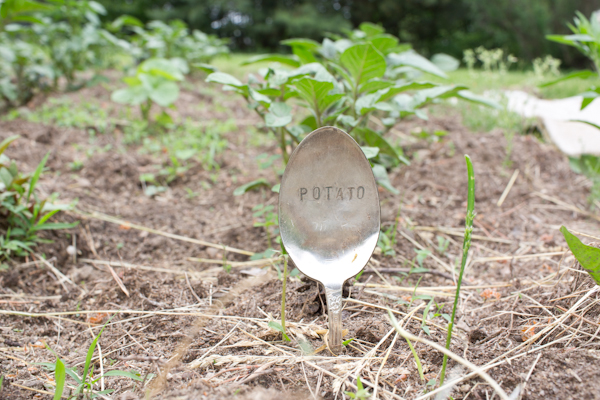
(329, 215)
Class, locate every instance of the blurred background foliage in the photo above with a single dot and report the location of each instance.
(431, 26)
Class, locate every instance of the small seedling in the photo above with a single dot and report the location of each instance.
(466, 246)
(442, 245)
(361, 392)
(266, 218)
(84, 383)
(422, 255)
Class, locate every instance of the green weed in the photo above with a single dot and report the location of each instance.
(265, 217)
(84, 384)
(65, 112)
(361, 392)
(465, 252)
(26, 214)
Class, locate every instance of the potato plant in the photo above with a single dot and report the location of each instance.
(170, 40)
(155, 82)
(586, 39)
(363, 83)
(65, 39)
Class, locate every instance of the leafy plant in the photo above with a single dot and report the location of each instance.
(266, 218)
(171, 40)
(24, 214)
(155, 82)
(465, 250)
(362, 83)
(586, 39)
(442, 244)
(20, 11)
(361, 392)
(588, 256)
(23, 71)
(85, 383)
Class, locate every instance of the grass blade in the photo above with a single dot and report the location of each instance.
(466, 245)
(36, 176)
(59, 378)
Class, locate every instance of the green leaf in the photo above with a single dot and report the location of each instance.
(280, 58)
(55, 225)
(280, 114)
(316, 93)
(588, 97)
(364, 62)
(301, 42)
(127, 374)
(347, 342)
(374, 85)
(373, 139)
(276, 188)
(59, 378)
(209, 69)
(570, 40)
(36, 176)
(370, 152)
(6, 142)
(412, 59)
(250, 186)
(165, 93)
(126, 20)
(588, 256)
(585, 74)
(371, 29)
(90, 353)
(277, 326)
(474, 98)
(445, 62)
(226, 79)
(384, 43)
(383, 179)
(6, 177)
(403, 87)
(162, 67)
(586, 122)
(132, 95)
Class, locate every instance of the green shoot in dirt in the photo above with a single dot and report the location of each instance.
(86, 382)
(361, 392)
(284, 285)
(268, 219)
(466, 246)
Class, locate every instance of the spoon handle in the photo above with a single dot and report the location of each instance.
(334, 306)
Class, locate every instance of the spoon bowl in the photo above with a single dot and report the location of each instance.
(329, 215)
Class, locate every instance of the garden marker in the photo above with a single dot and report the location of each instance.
(329, 215)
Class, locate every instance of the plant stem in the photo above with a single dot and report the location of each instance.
(284, 284)
(283, 146)
(466, 245)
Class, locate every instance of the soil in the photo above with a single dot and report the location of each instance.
(202, 330)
